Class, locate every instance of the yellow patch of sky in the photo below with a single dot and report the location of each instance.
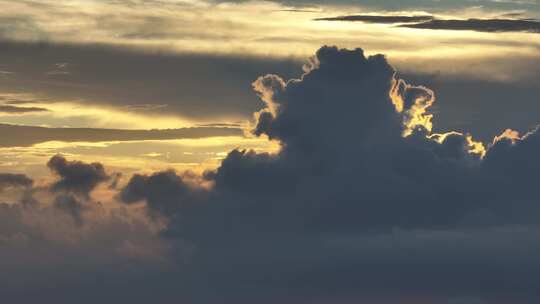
(136, 156)
(74, 115)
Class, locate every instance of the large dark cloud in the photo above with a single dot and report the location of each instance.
(21, 136)
(349, 210)
(349, 205)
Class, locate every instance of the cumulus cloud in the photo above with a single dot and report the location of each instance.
(8, 180)
(164, 192)
(75, 176)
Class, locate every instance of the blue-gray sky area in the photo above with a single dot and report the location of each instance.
(208, 151)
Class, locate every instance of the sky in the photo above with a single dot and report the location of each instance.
(209, 151)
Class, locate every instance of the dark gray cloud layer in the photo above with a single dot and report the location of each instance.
(431, 23)
(429, 5)
(480, 25)
(20, 110)
(18, 136)
(195, 86)
(378, 19)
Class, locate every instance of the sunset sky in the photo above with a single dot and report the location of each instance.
(265, 152)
